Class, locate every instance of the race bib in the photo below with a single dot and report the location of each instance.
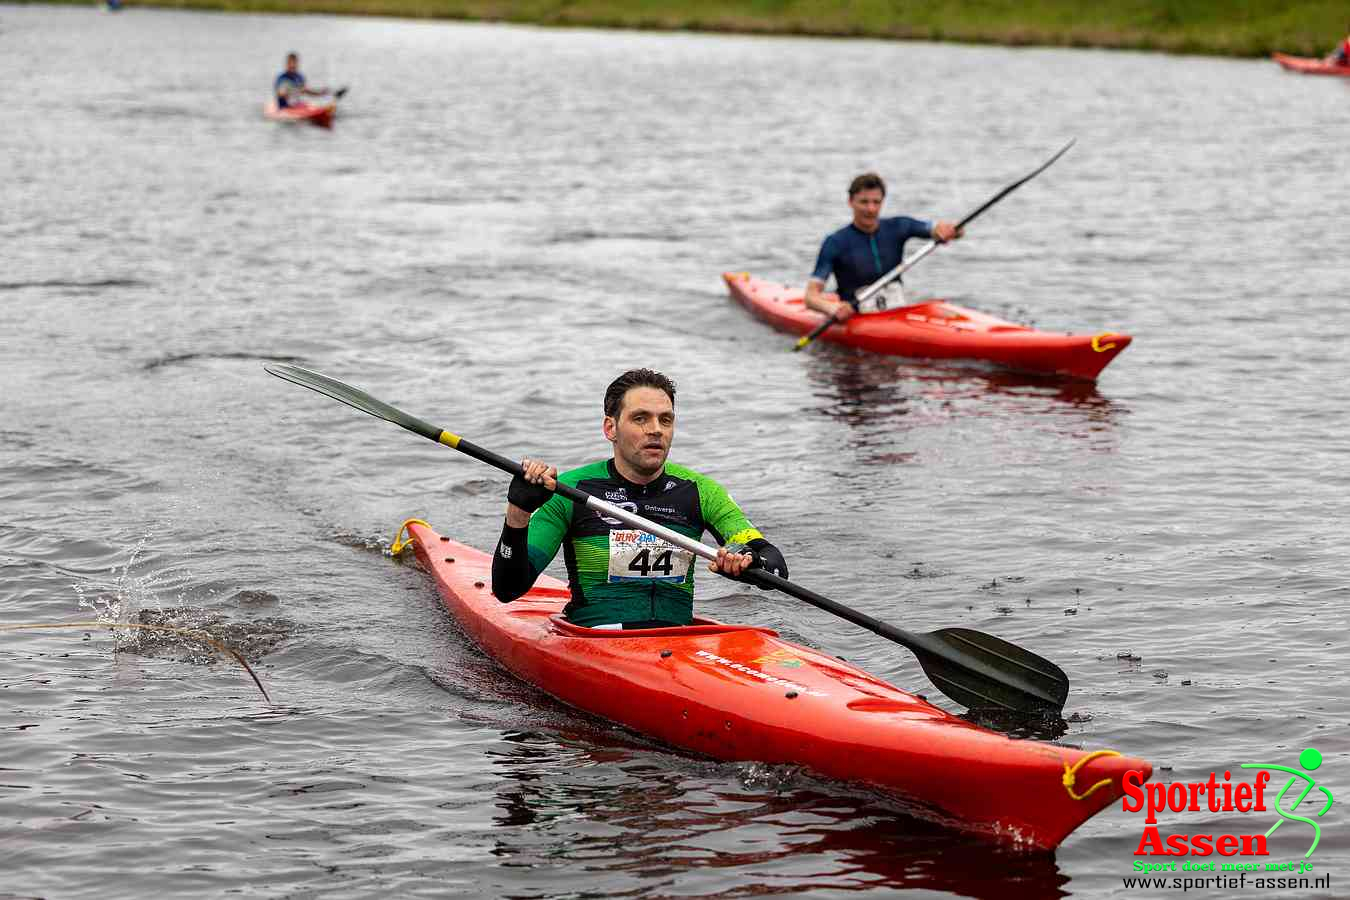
(889, 297)
(639, 556)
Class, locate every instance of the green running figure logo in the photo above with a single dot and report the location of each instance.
(1309, 759)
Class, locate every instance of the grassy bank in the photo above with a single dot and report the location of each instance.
(1228, 27)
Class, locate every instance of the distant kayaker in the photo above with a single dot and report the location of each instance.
(290, 84)
(1341, 55)
(865, 249)
(621, 577)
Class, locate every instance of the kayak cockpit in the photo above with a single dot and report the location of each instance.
(700, 628)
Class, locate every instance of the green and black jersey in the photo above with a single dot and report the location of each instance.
(618, 574)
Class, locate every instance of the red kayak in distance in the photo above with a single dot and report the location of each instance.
(935, 329)
(741, 693)
(301, 112)
(1308, 65)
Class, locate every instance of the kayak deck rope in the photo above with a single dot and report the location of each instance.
(1097, 341)
(1071, 774)
(399, 544)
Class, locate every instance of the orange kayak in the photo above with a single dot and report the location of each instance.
(935, 329)
(1310, 65)
(737, 692)
(301, 112)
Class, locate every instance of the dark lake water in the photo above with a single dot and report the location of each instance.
(500, 221)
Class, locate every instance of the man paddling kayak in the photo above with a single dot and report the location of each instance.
(620, 577)
(290, 84)
(866, 248)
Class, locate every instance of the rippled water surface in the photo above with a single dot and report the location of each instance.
(501, 220)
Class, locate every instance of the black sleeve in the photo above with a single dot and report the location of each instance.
(512, 574)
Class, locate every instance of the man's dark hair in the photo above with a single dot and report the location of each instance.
(635, 378)
(867, 181)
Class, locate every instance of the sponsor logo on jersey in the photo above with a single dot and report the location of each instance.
(628, 505)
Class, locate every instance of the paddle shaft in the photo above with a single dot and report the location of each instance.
(875, 287)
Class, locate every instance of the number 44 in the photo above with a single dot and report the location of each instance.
(645, 565)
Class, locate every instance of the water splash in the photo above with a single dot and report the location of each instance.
(123, 596)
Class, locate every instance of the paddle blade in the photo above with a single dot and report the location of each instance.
(345, 393)
(981, 671)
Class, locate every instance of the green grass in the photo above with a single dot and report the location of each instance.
(1227, 27)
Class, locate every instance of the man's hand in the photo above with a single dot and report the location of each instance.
(815, 299)
(530, 491)
(734, 559)
(946, 231)
(730, 563)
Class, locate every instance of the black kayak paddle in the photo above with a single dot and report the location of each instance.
(975, 669)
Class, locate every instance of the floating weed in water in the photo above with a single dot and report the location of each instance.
(122, 597)
(193, 633)
(253, 638)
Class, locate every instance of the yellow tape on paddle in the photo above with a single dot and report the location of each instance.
(448, 439)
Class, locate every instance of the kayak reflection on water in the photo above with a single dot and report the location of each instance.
(621, 577)
(688, 818)
(868, 391)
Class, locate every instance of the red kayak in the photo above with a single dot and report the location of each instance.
(935, 329)
(737, 692)
(301, 112)
(1310, 65)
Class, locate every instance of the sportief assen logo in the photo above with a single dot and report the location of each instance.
(1227, 795)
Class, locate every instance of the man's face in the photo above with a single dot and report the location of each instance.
(292, 63)
(644, 429)
(866, 205)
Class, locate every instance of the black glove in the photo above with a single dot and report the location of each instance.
(527, 496)
(765, 556)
